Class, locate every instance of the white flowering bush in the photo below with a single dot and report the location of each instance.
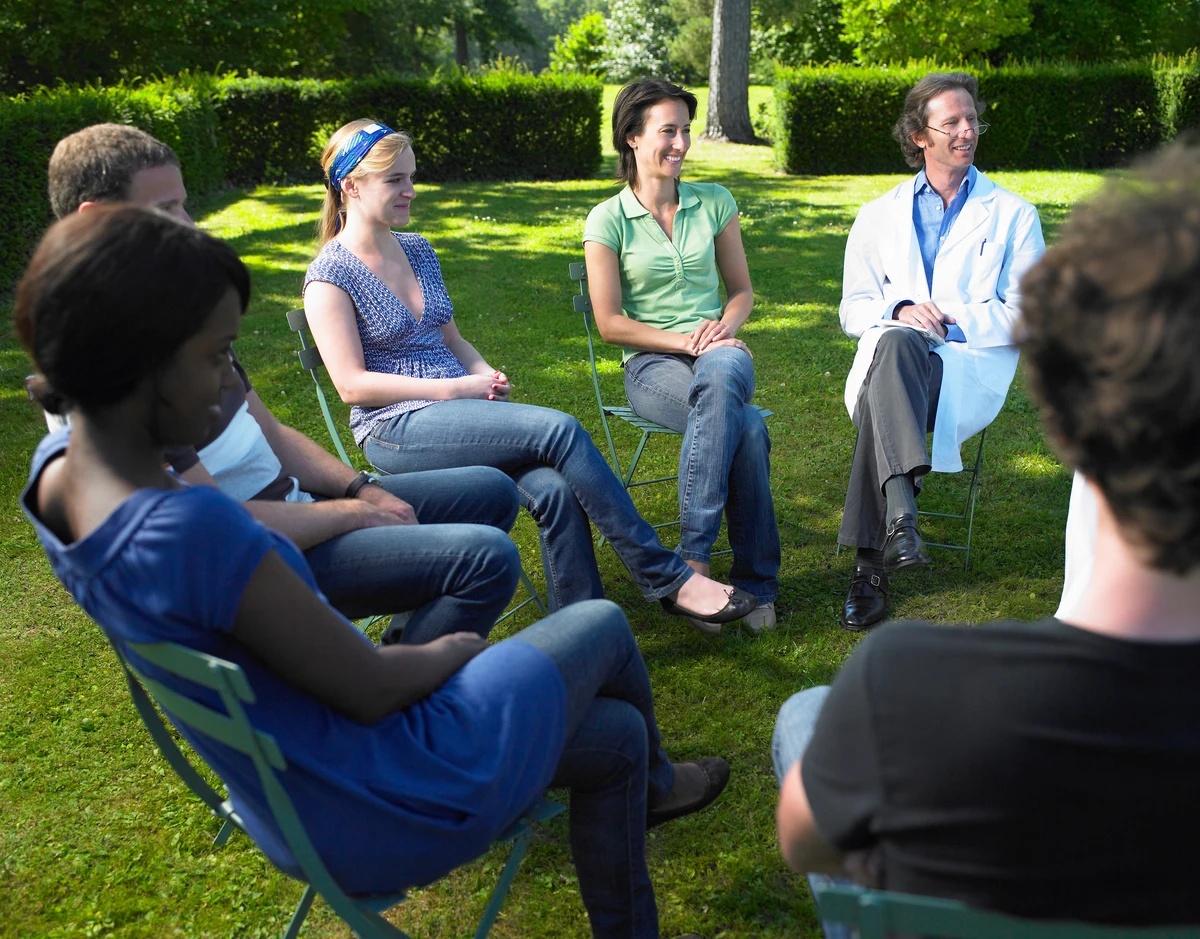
(639, 33)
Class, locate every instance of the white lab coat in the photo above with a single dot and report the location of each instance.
(1081, 546)
(976, 277)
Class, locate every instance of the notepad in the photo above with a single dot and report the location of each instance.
(927, 333)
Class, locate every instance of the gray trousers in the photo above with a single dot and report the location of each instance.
(896, 408)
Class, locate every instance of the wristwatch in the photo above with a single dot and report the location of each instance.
(358, 482)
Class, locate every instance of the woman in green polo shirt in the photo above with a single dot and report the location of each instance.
(657, 254)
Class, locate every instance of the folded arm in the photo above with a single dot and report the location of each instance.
(305, 642)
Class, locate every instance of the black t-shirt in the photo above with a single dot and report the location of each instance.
(1033, 768)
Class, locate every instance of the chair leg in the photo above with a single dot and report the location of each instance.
(515, 857)
(227, 829)
(306, 902)
(534, 598)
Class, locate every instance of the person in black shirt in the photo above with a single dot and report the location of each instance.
(1049, 769)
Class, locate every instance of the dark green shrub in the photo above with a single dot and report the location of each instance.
(244, 131)
(1043, 116)
(179, 112)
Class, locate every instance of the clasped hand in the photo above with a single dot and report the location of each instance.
(924, 316)
(492, 386)
(713, 334)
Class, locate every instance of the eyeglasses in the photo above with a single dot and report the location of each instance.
(979, 127)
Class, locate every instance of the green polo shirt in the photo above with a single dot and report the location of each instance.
(671, 284)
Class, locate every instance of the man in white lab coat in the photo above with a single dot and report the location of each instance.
(940, 259)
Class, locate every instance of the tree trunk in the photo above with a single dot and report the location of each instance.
(462, 51)
(729, 74)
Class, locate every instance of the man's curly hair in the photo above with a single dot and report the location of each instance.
(1112, 341)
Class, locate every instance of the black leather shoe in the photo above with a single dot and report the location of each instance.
(904, 546)
(867, 602)
(739, 604)
(716, 771)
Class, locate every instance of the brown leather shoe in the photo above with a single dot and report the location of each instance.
(716, 773)
(867, 602)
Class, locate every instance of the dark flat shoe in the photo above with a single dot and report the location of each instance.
(867, 602)
(739, 604)
(904, 546)
(716, 770)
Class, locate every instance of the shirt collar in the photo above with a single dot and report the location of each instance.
(633, 209)
(921, 183)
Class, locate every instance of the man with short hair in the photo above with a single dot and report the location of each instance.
(939, 258)
(456, 571)
(1049, 769)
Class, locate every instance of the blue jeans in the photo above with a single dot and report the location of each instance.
(793, 730)
(613, 762)
(456, 570)
(562, 478)
(724, 463)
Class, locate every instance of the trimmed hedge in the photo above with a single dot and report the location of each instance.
(245, 131)
(838, 119)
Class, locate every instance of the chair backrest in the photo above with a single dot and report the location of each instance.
(230, 726)
(583, 305)
(310, 361)
(220, 806)
(877, 914)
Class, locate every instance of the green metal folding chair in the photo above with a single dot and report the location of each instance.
(230, 726)
(220, 806)
(311, 362)
(878, 914)
(967, 513)
(622, 412)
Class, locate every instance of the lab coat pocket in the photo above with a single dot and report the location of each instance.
(984, 266)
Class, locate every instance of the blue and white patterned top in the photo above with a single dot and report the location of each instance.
(393, 340)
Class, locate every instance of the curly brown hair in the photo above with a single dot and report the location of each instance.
(1112, 341)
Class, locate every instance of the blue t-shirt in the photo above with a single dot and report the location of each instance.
(389, 805)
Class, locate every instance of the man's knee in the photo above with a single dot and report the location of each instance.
(899, 343)
(794, 727)
(496, 551)
(546, 493)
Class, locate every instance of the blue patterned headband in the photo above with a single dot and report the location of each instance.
(352, 151)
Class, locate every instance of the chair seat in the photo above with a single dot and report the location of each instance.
(628, 415)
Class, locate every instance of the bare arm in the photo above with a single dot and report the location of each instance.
(310, 523)
(306, 643)
(801, 844)
(332, 319)
(604, 286)
(495, 385)
(739, 295)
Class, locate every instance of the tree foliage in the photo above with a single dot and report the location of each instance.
(639, 32)
(797, 31)
(77, 41)
(899, 30)
(44, 42)
(1102, 30)
(580, 50)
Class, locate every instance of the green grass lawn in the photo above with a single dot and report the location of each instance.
(98, 839)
